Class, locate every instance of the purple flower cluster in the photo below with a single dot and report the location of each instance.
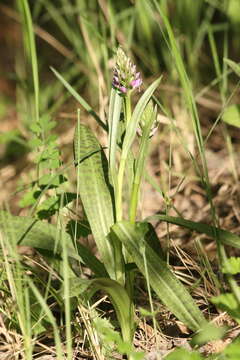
(125, 77)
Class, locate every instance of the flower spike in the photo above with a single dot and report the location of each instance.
(125, 77)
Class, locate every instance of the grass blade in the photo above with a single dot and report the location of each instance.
(31, 50)
(79, 98)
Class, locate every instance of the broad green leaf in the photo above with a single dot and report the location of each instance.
(231, 115)
(118, 296)
(231, 266)
(226, 237)
(113, 123)
(94, 192)
(22, 230)
(162, 280)
(227, 302)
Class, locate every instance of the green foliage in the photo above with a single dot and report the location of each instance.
(111, 340)
(233, 11)
(231, 266)
(26, 231)
(232, 352)
(184, 355)
(226, 237)
(95, 192)
(231, 115)
(47, 239)
(233, 65)
(78, 228)
(168, 288)
(118, 296)
(208, 333)
(227, 302)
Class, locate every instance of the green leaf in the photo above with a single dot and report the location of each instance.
(136, 116)
(209, 333)
(29, 198)
(35, 142)
(226, 237)
(118, 296)
(51, 180)
(227, 302)
(169, 289)
(146, 122)
(231, 266)
(152, 239)
(233, 11)
(54, 203)
(233, 351)
(35, 128)
(184, 355)
(22, 230)
(94, 192)
(9, 136)
(233, 65)
(85, 105)
(231, 115)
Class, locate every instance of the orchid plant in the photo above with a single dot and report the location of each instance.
(121, 239)
(125, 243)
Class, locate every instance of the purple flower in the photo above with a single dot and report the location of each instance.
(125, 77)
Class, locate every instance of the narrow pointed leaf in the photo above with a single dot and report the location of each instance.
(79, 98)
(169, 289)
(136, 116)
(226, 237)
(233, 65)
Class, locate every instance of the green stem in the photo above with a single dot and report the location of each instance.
(134, 202)
(119, 189)
(121, 171)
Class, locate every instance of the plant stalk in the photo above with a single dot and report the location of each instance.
(122, 165)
